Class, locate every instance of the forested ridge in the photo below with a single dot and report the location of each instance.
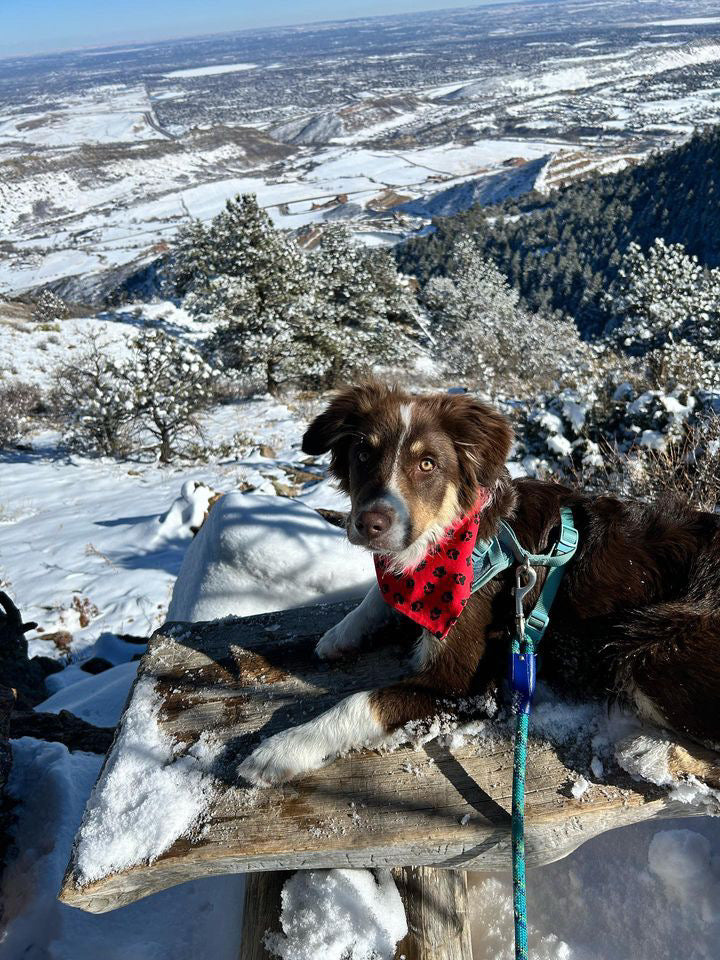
(563, 251)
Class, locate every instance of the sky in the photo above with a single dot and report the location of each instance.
(42, 26)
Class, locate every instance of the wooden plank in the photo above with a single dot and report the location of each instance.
(244, 679)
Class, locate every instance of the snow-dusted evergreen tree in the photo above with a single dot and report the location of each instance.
(667, 307)
(481, 332)
(361, 306)
(664, 296)
(49, 308)
(167, 383)
(192, 263)
(258, 285)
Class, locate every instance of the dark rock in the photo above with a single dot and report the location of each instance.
(26, 676)
(95, 665)
(63, 727)
(7, 702)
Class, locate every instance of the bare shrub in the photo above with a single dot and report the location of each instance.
(89, 398)
(20, 403)
(687, 468)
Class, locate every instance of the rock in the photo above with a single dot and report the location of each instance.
(336, 517)
(24, 675)
(60, 638)
(63, 727)
(7, 702)
(95, 665)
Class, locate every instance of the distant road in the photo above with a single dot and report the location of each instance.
(152, 122)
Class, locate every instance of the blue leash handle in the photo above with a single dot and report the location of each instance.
(522, 723)
(522, 678)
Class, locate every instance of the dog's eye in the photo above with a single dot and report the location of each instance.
(427, 464)
(363, 456)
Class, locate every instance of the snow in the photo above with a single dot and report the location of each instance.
(52, 785)
(649, 892)
(257, 553)
(107, 114)
(149, 794)
(339, 915)
(212, 71)
(97, 699)
(647, 756)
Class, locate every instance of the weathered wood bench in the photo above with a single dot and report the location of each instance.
(435, 811)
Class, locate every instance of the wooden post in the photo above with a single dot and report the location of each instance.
(436, 906)
(261, 912)
(435, 901)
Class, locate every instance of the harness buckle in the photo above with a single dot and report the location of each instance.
(522, 572)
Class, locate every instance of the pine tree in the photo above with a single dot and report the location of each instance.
(481, 332)
(50, 308)
(668, 309)
(664, 296)
(259, 288)
(191, 264)
(361, 306)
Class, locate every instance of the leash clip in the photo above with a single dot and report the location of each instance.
(523, 570)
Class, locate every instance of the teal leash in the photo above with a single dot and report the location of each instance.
(489, 559)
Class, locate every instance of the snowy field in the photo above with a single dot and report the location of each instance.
(91, 549)
(130, 143)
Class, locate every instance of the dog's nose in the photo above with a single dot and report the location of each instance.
(372, 523)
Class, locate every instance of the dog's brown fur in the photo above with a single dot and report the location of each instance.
(642, 593)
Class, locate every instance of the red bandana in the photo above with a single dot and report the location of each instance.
(435, 592)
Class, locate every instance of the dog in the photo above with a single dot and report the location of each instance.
(641, 595)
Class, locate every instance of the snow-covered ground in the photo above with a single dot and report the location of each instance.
(92, 548)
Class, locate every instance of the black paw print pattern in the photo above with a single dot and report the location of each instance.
(435, 592)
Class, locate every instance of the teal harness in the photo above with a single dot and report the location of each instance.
(491, 557)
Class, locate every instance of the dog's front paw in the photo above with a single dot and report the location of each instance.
(279, 759)
(338, 642)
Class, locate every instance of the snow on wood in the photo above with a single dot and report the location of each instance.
(442, 802)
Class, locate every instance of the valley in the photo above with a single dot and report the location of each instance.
(381, 123)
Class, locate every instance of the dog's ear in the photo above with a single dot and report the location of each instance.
(334, 428)
(339, 421)
(483, 438)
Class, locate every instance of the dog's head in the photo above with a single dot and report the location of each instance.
(411, 464)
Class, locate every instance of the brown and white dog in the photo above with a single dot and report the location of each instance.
(642, 593)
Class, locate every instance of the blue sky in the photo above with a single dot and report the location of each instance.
(38, 26)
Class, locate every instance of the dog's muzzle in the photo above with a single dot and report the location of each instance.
(381, 525)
